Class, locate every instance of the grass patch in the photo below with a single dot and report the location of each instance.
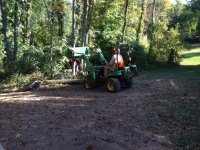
(189, 67)
(192, 56)
(179, 72)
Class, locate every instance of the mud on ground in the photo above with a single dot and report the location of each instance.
(155, 114)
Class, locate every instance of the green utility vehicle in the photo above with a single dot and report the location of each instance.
(94, 63)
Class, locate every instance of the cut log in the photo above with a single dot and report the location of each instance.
(64, 81)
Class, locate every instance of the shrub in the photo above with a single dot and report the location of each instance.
(16, 80)
(29, 59)
(167, 48)
(139, 55)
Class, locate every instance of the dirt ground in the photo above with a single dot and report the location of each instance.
(155, 114)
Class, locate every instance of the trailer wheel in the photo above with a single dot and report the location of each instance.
(113, 85)
(88, 85)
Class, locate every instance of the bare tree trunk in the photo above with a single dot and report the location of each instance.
(124, 26)
(84, 23)
(171, 57)
(150, 54)
(23, 20)
(141, 21)
(89, 19)
(60, 23)
(5, 30)
(16, 25)
(32, 39)
(26, 22)
(51, 21)
(60, 17)
(26, 28)
(74, 23)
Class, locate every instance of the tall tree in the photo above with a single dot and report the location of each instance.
(74, 23)
(60, 16)
(150, 53)
(28, 14)
(125, 18)
(16, 25)
(141, 21)
(195, 7)
(58, 13)
(89, 19)
(5, 30)
(83, 43)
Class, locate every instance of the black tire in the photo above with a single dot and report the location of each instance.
(88, 85)
(128, 84)
(113, 85)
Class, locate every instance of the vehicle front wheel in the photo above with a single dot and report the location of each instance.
(113, 85)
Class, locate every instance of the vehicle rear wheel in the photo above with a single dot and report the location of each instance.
(113, 85)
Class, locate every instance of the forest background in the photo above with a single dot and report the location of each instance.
(35, 34)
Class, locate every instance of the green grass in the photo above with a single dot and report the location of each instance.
(189, 67)
(192, 56)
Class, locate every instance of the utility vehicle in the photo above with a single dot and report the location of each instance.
(94, 62)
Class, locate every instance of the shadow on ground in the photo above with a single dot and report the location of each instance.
(190, 55)
(189, 72)
(156, 113)
(194, 46)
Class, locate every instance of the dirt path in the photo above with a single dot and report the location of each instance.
(155, 114)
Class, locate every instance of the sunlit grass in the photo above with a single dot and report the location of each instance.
(192, 56)
(189, 67)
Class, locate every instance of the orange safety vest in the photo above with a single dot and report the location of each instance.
(121, 64)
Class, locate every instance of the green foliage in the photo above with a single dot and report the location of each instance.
(46, 59)
(107, 22)
(187, 18)
(188, 25)
(45, 32)
(2, 55)
(16, 80)
(29, 59)
(139, 55)
(109, 19)
(168, 47)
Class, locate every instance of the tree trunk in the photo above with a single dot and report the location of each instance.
(64, 81)
(89, 19)
(124, 26)
(171, 57)
(60, 23)
(23, 20)
(5, 30)
(31, 39)
(84, 22)
(16, 25)
(74, 23)
(51, 21)
(141, 21)
(60, 17)
(150, 54)
(28, 14)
